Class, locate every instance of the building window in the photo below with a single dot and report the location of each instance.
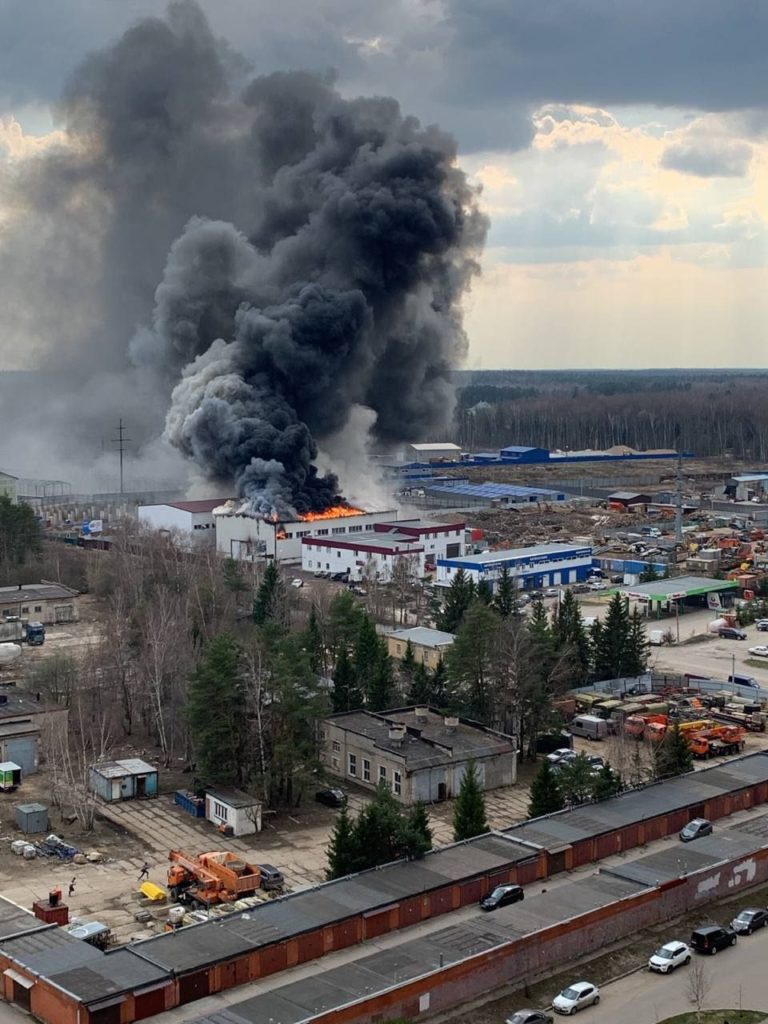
(353, 765)
(338, 554)
(338, 529)
(335, 763)
(309, 563)
(396, 783)
(25, 610)
(336, 747)
(382, 773)
(366, 770)
(219, 810)
(38, 607)
(322, 734)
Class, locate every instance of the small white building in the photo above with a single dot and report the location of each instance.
(375, 554)
(432, 451)
(250, 538)
(232, 809)
(542, 565)
(192, 521)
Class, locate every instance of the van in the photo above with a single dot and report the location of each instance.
(656, 637)
(589, 726)
(742, 680)
(711, 938)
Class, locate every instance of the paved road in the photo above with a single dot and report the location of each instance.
(737, 978)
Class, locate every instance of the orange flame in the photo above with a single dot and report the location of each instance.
(334, 512)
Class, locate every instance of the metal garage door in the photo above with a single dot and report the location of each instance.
(22, 751)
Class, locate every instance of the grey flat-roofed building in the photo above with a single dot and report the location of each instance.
(42, 602)
(418, 752)
(685, 858)
(16, 920)
(115, 972)
(308, 910)
(50, 951)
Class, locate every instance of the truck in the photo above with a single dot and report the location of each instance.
(217, 877)
(16, 630)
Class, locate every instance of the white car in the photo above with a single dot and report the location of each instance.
(575, 997)
(761, 651)
(561, 754)
(669, 956)
(297, 583)
(597, 585)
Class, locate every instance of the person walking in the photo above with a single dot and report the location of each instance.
(71, 891)
(144, 873)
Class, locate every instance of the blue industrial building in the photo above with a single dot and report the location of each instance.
(543, 565)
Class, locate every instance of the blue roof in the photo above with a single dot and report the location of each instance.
(520, 448)
(491, 490)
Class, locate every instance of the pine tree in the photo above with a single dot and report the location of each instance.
(407, 668)
(343, 854)
(469, 810)
(649, 574)
(484, 592)
(637, 649)
(268, 605)
(416, 833)
(344, 620)
(607, 783)
(439, 685)
(215, 708)
(346, 694)
(420, 691)
(367, 653)
(673, 755)
(458, 599)
(313, 643)
(232, 572)
(611, 640)
(379, 830)
(575, 780)
(569, 635)
(470, 660)
(382, 693)
(546, 797)
(505, 600)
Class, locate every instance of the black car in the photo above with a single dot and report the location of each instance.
(731, 633)
(749, 920)
(529, 1017)
(502, 896)
(695, 830)
(331, 797)
(711, 938)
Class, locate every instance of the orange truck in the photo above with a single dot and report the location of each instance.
(716, 741)
(644, 726)
(209, 878)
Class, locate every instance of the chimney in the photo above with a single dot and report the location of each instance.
(422, 714)
(451, 723)
(396, 733)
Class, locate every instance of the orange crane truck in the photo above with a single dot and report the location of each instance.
(211, 878)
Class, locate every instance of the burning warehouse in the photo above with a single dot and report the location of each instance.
(243, 536)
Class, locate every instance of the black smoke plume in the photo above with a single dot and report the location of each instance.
(316, 249)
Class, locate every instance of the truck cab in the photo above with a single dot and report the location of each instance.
(35, 634)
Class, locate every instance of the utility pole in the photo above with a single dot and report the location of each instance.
(120, 441)
(679, 501)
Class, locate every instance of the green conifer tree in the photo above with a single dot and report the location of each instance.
(469, 810)
(505, 599)
(546, 797)
(673, 755)
(460, 595)
(346, 694)
(343, 855)
(215, 709)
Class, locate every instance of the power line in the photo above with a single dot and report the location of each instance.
(121, 441)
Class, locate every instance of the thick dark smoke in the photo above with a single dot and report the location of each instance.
(315, 249)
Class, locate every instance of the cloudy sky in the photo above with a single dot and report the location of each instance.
(621, 146)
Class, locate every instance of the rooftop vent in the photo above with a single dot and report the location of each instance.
(396, 734)
(451, 723)
(422, 714)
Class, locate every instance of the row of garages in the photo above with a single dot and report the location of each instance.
(182, 966)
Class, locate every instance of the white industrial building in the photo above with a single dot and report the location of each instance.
(432, 451)
(249, 538)
(191, 521)
(375, 554)
(542, 565)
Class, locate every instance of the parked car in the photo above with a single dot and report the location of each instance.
(711, 938)
(695, 829)
(502, 896)
(761, 651)
(669, 956)
(297, 583)
(529, 1017)
(561, 754)
(331, 797)
(551, 592)
(731, 633)
(579, 588)
(576, 996)
(271, 878)
(762, 625)
(597, 585)
(749, 920)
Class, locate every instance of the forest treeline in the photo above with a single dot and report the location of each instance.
(704, 418)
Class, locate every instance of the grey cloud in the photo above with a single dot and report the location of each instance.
(708, 158)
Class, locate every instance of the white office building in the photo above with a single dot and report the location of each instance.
(192, 522)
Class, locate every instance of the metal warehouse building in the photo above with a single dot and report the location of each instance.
(453, 492)
(543, 565)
